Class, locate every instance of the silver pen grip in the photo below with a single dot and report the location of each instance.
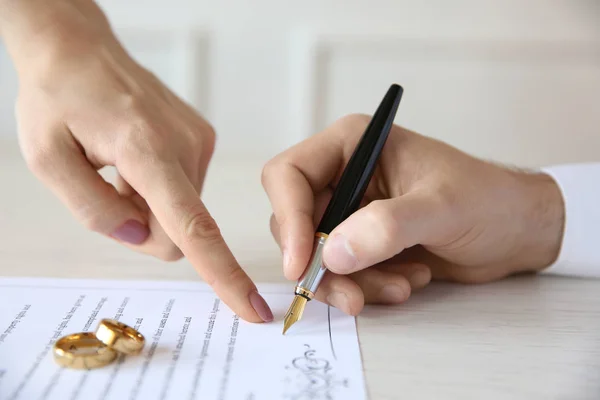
(314, 272)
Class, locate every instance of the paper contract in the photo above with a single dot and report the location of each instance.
(196, 348)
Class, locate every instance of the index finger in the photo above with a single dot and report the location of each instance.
(177, 206)
(291, 181)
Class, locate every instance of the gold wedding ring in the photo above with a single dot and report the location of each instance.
(82, 351)
(88, 350)
(120, 337)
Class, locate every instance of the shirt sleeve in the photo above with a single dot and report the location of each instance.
(580, 250)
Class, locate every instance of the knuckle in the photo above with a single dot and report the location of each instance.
(204, 139)
(131, 103)
(39, 149)
(379, 216)
(267, 172)
(281, 219)
(354, 120)
(142, 140)
(201, 226)
(210, 140)
(209, 133)
(37, 157)
(275, 169)
(402, 137)
(274, 227)
(445, 196)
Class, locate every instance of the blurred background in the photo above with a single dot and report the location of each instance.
(514, 81)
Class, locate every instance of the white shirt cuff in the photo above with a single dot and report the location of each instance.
(580, 251)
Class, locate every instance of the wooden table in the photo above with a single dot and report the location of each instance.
(526, 338)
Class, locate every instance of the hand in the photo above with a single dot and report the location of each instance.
(83, 104)
(430, 210)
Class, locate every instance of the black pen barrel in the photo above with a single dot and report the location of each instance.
(361, 166)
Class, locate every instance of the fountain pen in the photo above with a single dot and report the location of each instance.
(346, 198)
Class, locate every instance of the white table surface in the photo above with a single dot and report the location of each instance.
(526, 338)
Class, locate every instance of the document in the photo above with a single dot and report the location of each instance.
(196, 347)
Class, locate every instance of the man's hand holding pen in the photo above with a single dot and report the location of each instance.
(430, 211)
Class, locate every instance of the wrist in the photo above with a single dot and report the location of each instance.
(542, 215)
(37, 31)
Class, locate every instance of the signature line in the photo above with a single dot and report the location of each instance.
(330, 338)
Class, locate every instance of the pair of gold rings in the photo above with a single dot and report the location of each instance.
(89, 350)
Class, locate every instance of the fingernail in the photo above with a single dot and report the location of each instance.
(340, 256)
(419, 278)
(132, 231)
(260, 306)
(338, 300)
(392, 294)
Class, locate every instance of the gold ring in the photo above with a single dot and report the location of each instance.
(120, 337)
(82, 351)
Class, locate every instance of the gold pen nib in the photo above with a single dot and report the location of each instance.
(294, 313)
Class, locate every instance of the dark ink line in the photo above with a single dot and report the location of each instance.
(330, 338)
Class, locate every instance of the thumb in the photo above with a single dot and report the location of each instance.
(379, 231)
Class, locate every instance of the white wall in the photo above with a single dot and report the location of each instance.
(516, 81)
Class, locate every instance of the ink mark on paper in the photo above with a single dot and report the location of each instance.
(312, 377)
(330, 337)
